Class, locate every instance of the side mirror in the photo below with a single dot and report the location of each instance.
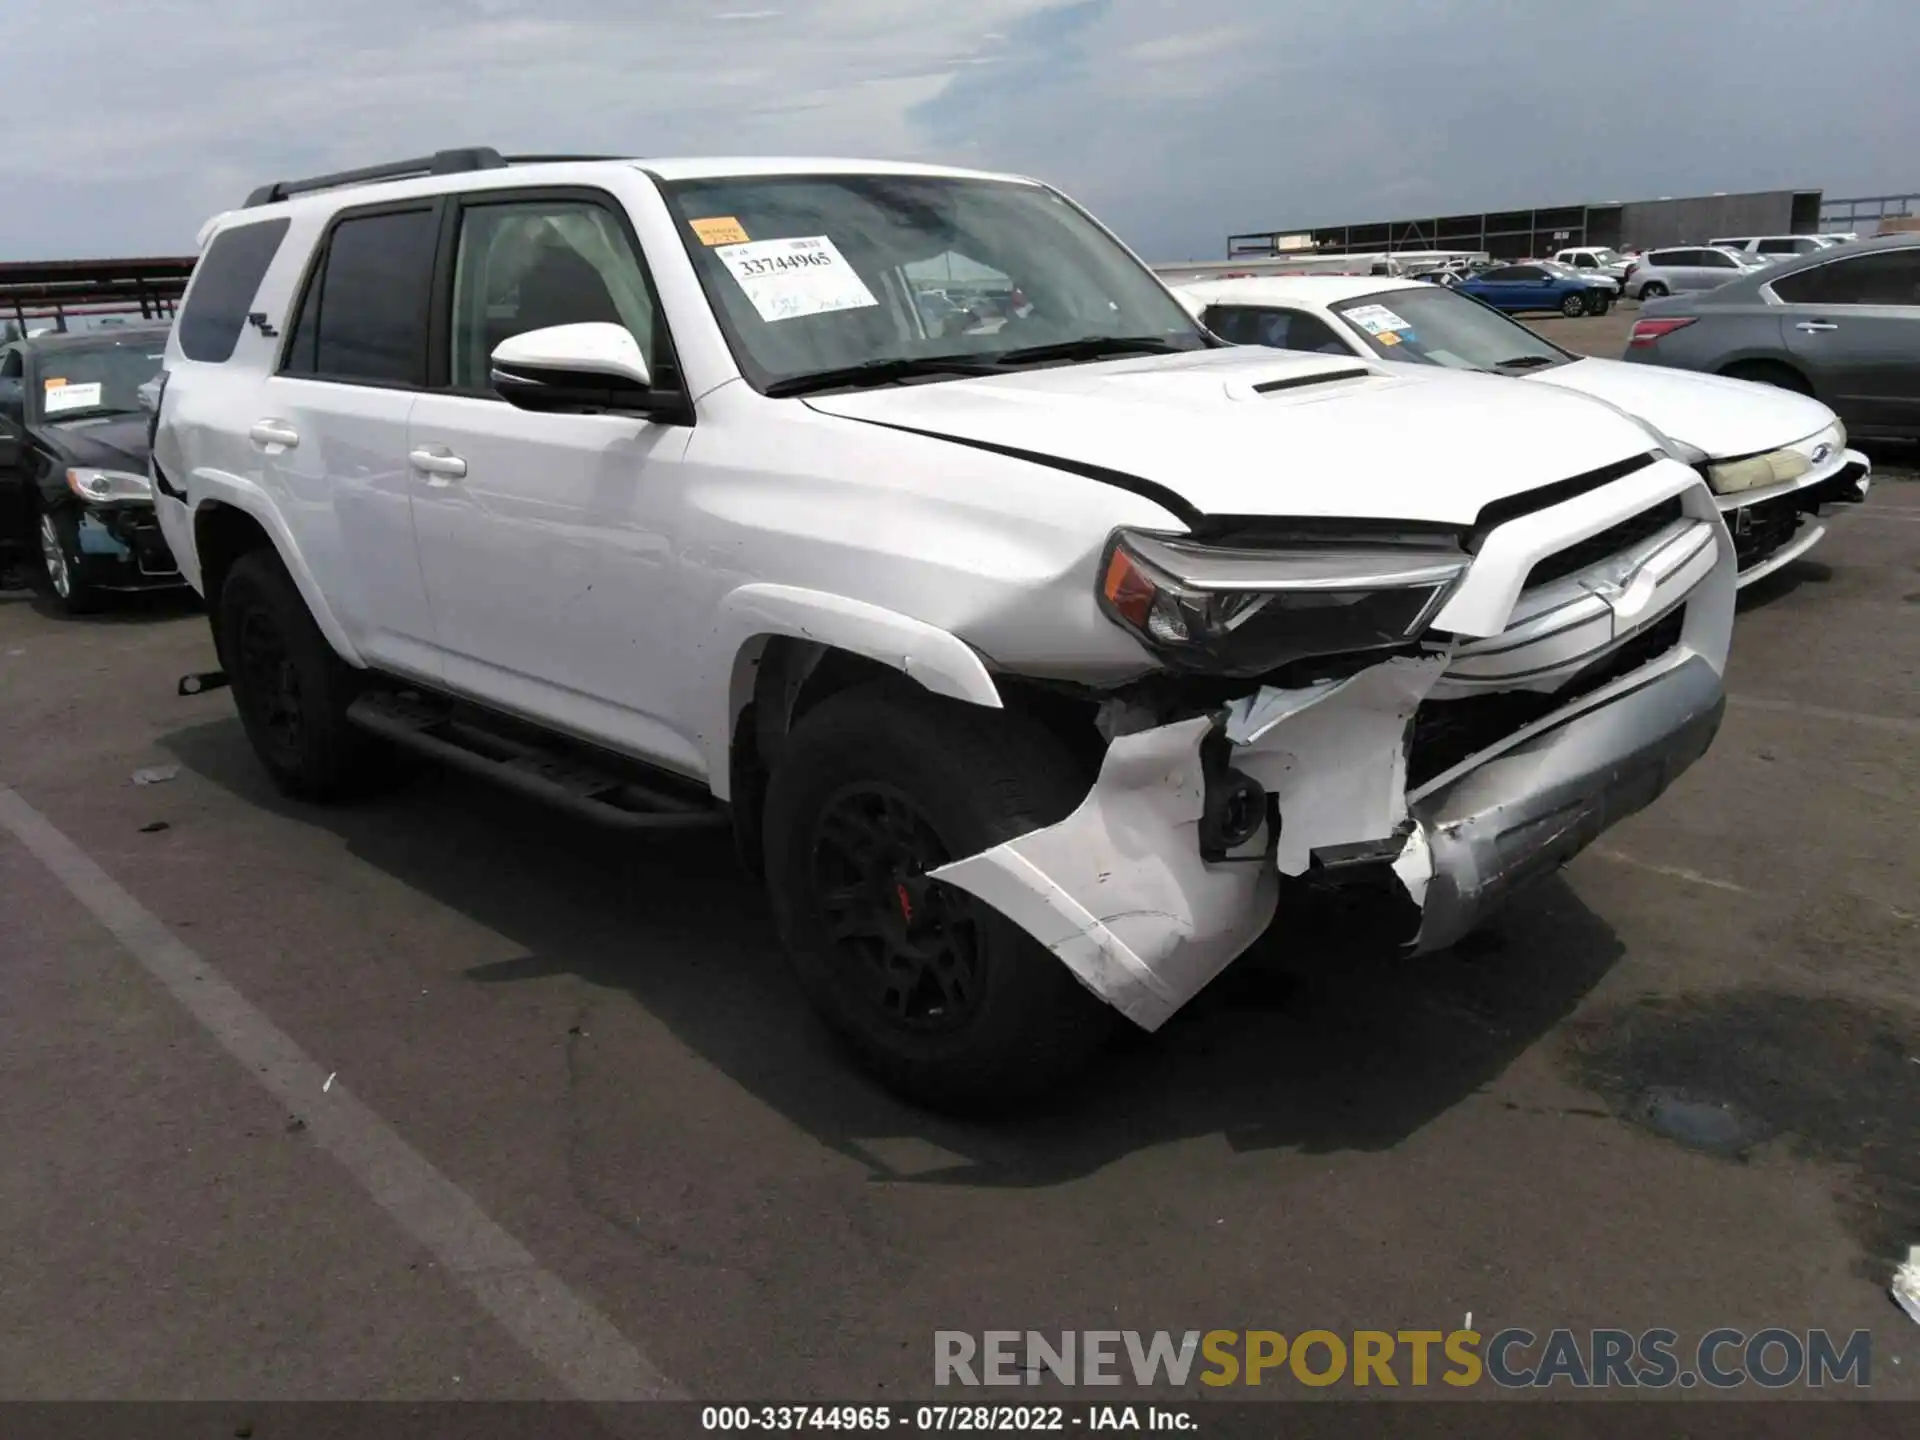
(574, 369)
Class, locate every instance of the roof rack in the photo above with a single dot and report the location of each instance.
(441, 162)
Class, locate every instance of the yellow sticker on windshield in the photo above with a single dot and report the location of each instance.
(1387, 337)
(719, 230)
(54, 382)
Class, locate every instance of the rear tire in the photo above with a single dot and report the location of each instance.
(291, 688)
(940, 997)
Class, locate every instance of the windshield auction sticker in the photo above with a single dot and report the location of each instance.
(719, 230)
(786, 279)
(71, 397)
(1376, 319)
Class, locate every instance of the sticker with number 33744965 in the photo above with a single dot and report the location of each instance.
(786, 279)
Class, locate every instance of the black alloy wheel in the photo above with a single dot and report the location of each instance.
(271, 681)
(905, 946)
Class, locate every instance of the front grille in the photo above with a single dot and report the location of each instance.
(1445, 732)
(1760, 530)
(1591, 551)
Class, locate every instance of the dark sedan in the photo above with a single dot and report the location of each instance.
(1841, 324)
(75, 506)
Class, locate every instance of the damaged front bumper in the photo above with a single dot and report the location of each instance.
(1135, 894)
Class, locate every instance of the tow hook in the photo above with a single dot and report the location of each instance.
(206, 680)
(1235, 802)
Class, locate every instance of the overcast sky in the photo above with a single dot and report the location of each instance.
(1177, 121)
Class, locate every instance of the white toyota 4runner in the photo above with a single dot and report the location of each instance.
(1037, 646)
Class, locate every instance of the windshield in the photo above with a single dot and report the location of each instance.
(810, 275)
(103, 379)
(1437, 326)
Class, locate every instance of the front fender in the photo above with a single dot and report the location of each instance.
(222, 488)
(936, 659)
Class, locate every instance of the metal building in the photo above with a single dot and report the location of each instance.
(1512, 234)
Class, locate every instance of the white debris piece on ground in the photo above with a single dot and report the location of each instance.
(329, 1085)
(155, 775)
(1906, 1285)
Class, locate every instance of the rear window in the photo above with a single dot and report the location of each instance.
(224, 284)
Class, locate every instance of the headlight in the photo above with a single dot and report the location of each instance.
(1243, 612)
(109, 485)
(1776, 467)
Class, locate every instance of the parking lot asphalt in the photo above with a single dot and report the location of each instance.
(418, 1098)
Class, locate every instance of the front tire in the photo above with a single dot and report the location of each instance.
(939, 996)
(291, 688)
(1652, 290)
(59, 578)
(1574, 306)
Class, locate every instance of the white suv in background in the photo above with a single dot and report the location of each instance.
(1041, 649)
(1776, 247)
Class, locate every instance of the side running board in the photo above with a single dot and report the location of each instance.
(545, 771)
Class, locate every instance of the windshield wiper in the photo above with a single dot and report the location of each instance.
(1526, 362)
(878, 372)
(1090, 347)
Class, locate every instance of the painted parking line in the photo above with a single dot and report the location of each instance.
(1674, 872)
(582, 1349)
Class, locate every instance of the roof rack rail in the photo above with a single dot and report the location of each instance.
(441, 162)
(560, 159)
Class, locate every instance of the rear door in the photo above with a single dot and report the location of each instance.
(1714, 268)
(1510, 287)
(1854, 326)
(331, 427)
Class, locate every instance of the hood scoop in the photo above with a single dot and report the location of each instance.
(1295, 381)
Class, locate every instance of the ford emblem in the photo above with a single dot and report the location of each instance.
(1821, 452)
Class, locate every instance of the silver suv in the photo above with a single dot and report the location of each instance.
(1683, 268)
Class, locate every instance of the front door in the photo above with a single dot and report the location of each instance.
(547, 540)
(1854, 326)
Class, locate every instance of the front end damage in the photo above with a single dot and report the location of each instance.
(1571, 675)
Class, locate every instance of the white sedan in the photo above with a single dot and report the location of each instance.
(1777, 462)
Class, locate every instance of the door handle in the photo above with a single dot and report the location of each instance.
(274, 432)
(441, 465)
(1810, 326)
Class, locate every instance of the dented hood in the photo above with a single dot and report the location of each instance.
(1721, 416)
(1397, 442)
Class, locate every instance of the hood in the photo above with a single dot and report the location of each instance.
(1711, 412)
(1250, 431)
(113, 442)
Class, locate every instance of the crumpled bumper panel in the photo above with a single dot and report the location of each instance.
(1118, 890)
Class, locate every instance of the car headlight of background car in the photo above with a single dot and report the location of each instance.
(1230, 611)
(1776, 467)
(103, 485)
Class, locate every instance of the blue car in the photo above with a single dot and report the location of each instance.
(1517, 288)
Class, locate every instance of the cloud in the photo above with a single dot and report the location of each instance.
(1177, 121)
